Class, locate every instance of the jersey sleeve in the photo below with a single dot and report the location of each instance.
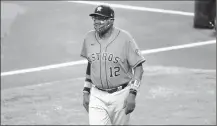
(134, 55)
(84, 50)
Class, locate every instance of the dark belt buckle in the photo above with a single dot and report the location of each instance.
(111, 90)
(119, 88)
(115, 89)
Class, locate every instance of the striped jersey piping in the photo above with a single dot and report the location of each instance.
(99, 60)
(106, 50)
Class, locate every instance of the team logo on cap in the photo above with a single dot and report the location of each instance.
(99, 9)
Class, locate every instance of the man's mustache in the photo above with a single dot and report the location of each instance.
(98, 25)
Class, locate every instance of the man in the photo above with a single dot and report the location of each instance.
(114, 71)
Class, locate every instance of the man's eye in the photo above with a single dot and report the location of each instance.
(101, 18)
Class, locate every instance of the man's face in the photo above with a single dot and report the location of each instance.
(101, 24)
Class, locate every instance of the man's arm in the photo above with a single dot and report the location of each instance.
(138, 72)
(87, 87)
(135, 84)
(88, 81)
(136, 81)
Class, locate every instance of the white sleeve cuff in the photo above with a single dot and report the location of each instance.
(135, 84)
(87, 84)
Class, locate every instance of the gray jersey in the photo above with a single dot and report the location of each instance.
(111, 60)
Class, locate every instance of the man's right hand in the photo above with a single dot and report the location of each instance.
(86, 99)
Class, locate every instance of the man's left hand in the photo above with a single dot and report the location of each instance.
(130, 103)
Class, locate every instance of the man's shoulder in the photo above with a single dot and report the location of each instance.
(89, 34)
(123, 32)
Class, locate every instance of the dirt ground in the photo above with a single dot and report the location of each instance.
(168, 96)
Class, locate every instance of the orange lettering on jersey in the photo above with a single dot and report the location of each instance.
(110, 57)
(104, 57)
(98, 56)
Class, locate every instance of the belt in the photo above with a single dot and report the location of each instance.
(112, 90)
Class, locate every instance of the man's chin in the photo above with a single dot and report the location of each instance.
(98, 30)
(101, 33)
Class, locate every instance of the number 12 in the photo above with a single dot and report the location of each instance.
(114, 71)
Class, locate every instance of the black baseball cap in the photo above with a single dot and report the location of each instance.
(103, 10)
